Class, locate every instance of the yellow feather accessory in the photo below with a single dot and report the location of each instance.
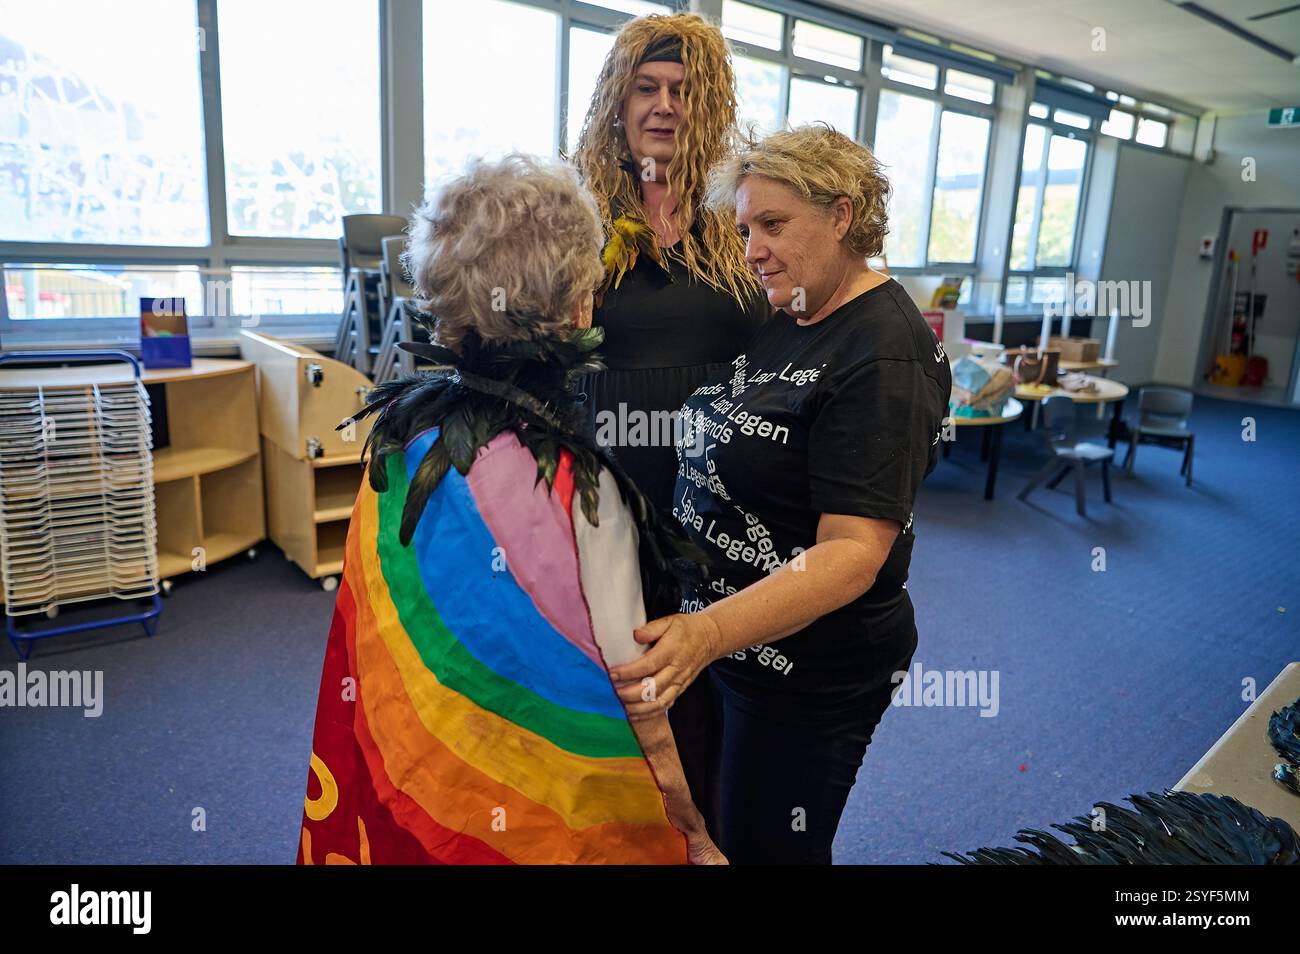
(628, 236)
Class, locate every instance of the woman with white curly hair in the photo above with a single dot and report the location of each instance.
(494, 571)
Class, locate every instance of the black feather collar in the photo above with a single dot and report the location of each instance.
(526, 387)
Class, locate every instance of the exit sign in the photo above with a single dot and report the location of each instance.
(1286, 116)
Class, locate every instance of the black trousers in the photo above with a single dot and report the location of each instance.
(785, 772)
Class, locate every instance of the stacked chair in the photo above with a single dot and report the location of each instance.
(392, 362)
(364, 304)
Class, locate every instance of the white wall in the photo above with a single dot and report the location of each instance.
(1141, 244)
(1211, 188)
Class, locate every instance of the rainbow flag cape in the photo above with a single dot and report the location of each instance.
(466, 715)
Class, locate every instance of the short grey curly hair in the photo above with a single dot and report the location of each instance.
(505, 251)
(820, 165)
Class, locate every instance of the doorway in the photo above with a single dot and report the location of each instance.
(1255, 309)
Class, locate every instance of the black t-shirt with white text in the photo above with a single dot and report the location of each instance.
(842, 416)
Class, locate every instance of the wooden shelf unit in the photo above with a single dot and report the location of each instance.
(309, 505)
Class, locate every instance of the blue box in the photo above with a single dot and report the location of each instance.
(164, 333)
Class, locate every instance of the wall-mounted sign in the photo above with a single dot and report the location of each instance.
(1284, 116)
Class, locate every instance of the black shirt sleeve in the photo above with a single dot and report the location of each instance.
(873, 439)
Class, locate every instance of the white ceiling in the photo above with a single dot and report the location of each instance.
(1152, 47)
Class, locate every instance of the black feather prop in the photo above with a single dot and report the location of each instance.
(1173, 828)
(525, 387)
(1284, 735)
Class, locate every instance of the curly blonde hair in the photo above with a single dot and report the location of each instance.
(705, 135)
(821, 165)
(505, 251)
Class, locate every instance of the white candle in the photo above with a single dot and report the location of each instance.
(1111, 328)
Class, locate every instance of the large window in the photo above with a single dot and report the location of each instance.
(301, 134)
(749, 25)
(790, 72)
(1150, 124)
(813, 42)
(1048, 200)
(493, 95)
(101, 124)
(935, 160)
(958, 187)
(903, 143)
(587, 52)
(36, 291)
(209, 149)
(758, 93)
(815, 101)
(240, 296)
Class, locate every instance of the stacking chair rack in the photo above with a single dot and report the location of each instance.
(77, 516)
(393, 362)
(364, 307)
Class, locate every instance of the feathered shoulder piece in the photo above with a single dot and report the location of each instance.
(628, 238)
(525, 387)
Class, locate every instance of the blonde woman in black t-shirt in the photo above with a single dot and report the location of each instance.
(798, 470)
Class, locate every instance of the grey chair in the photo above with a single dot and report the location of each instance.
(1068, 453)
(361, 251)
(1162, 419)
(392, 362)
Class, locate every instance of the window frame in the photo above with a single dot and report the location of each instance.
(1052, 128)
(222, 252)
(401, 54)
(793, 66)
(947, 102)
(401, 177)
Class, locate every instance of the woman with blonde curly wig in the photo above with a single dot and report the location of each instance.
(677, 301)
(821, 431)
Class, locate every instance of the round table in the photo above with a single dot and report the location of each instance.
(992, 449)
(1099, 364)
(1106, 392)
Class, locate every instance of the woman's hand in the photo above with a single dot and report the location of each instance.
(700, 850)
(684, 644)
(686, 818)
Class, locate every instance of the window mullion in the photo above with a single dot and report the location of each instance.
(931, 174)
(869, 105)
(1040, 193)
(787, 56)
(562, 106)
(214, 149)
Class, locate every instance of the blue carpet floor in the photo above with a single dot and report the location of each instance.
(1109, 682)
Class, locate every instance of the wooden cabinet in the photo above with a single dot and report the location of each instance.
(313, 472)
(207, 480)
